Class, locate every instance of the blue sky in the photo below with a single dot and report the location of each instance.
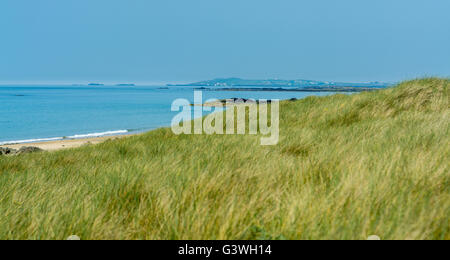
(186, 40)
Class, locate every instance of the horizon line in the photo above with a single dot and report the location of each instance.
(164, 82)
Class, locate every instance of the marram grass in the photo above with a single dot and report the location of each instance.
(346, 167)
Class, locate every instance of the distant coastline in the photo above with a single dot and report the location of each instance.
(307, 89)
(300, 84)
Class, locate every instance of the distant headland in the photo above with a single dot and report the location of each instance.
(238, 84)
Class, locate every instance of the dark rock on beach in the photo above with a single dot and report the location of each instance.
(22, 150)
(4, 151)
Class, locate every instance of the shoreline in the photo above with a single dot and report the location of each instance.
(59, 144)
(66, 143)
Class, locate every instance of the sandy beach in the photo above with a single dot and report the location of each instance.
(64, 144)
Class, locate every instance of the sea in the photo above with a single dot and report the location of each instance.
(51, 112)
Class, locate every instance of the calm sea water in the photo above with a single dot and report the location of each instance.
(39, 113)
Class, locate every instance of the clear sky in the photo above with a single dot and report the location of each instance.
(186, 40)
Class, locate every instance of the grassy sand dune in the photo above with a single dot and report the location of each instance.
(346, 167)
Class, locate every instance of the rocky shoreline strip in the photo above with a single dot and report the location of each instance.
(279, 89)
(22, 150)
(236, 101)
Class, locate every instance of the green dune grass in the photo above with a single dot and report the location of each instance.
(346, 167)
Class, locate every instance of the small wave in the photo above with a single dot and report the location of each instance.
(118, 132)
(79, 136)
(32, 140)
